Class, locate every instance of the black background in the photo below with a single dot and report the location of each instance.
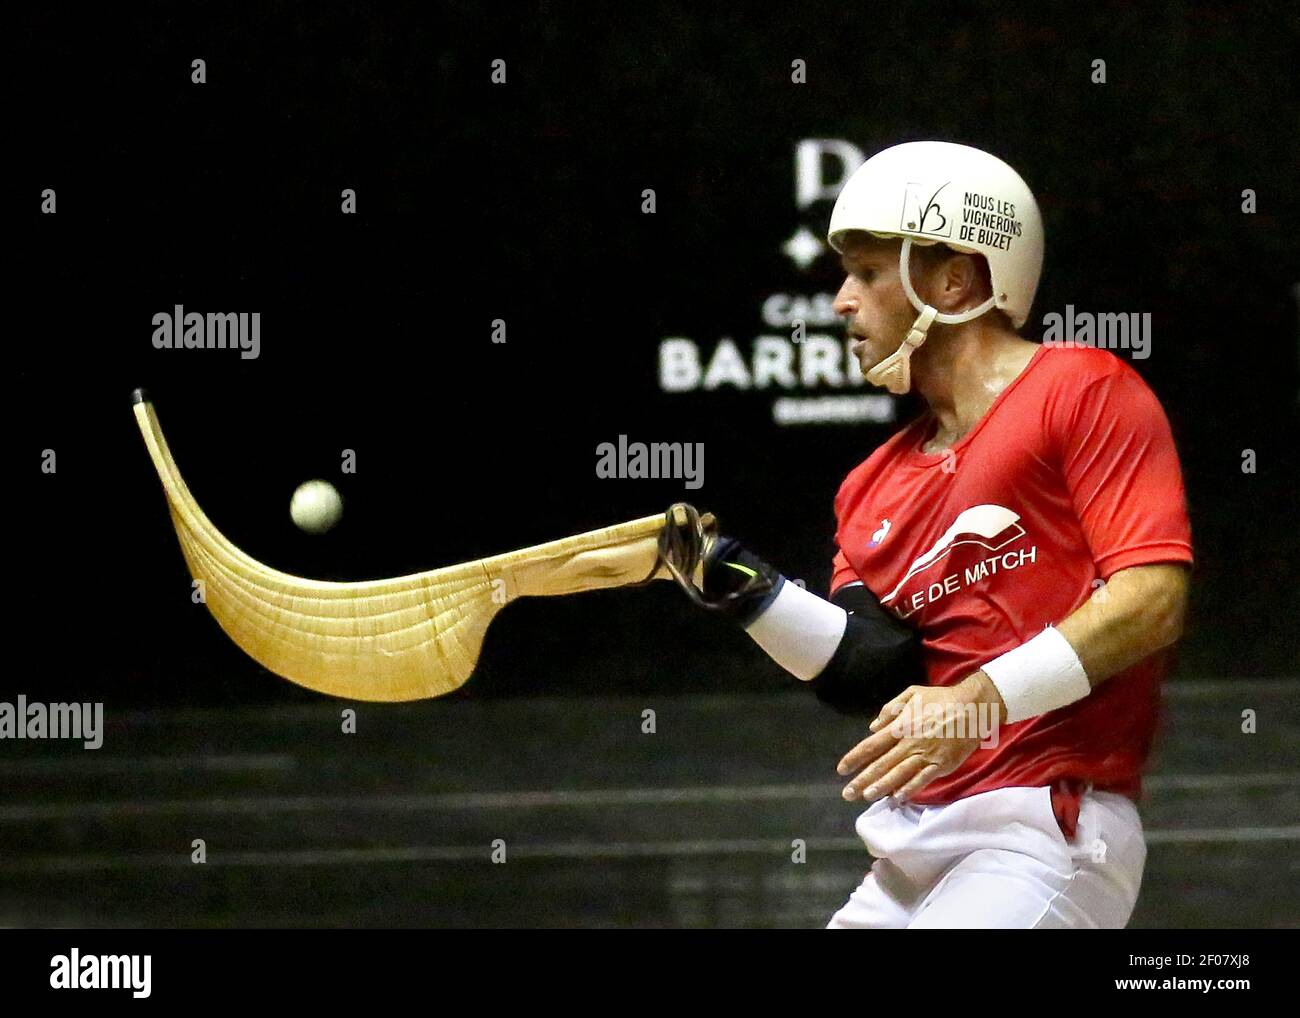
(522, 202)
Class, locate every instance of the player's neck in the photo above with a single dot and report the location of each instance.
(961, 374)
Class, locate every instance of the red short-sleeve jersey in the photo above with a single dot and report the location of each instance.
(1069, 477)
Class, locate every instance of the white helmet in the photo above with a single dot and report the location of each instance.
(935, 192)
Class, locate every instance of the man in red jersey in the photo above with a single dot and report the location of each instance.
(1030, 530)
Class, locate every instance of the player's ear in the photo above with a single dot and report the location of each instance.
(959, 283)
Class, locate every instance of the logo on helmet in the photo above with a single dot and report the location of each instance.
(923, 214)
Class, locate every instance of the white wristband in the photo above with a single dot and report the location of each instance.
(799, 630)
(1040, 675)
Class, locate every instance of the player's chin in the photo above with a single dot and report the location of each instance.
(867, 356)
(866, 362)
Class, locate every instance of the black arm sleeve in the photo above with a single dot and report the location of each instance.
(878, 657)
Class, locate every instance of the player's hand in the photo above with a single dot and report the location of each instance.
(925, 732)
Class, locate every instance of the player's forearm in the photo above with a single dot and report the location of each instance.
(1135, 613)
(853, 653)
(799, 630)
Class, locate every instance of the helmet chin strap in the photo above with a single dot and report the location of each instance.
(895, 371)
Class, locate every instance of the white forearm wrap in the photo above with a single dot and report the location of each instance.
(799, 630)
(1040, 675)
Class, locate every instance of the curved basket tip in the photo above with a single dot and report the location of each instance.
(140, 396)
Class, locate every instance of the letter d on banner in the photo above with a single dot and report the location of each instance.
(808, 162)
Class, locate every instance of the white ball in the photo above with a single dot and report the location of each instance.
(316, 506)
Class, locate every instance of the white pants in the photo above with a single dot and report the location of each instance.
(998, 860)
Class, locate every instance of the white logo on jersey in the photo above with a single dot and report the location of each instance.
(879, 535)
(990, 526)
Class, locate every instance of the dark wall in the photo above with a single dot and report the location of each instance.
(523, 202)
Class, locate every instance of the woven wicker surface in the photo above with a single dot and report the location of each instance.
(406, 638)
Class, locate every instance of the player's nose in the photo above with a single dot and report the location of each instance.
(844, 303)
